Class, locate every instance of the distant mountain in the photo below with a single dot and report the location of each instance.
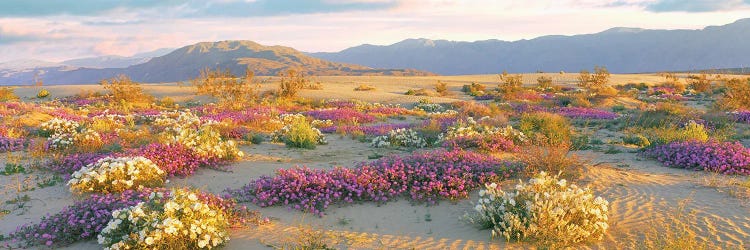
(101, 62)
(621, 50)
(185, 63)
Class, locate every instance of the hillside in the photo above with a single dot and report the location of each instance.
(621, 50)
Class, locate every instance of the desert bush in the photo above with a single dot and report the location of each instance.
(226, 87)
(544, 82)
(549, 127)
(420, 92)
(722, 157)
(547, 211)
(475, 89)
(125, 91)
(299, 134)
(291, 82)
(43, 93)
(700, 83)
(554, 158)
(736, 96)
(399, 138)
(430, 107)
(638, 140)
(441, 88)
(179, 221)
(510, 83)
(112, 175)
(364, 87)
(594, 82)
(7, 94)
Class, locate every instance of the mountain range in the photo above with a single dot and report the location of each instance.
(186, 63)
(621, 50)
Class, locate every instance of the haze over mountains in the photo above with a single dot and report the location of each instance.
(621, 50)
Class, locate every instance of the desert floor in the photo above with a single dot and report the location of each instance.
(641, 192)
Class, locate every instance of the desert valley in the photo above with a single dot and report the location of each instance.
(612, 140)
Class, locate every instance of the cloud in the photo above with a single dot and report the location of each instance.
(186, 8)
(696, 5)
(12, 38)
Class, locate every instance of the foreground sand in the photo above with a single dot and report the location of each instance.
(640, 191)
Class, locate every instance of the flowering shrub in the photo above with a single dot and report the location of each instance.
(546, 210)
(471, 128)
(722, 157)
(399, 138)
(175, 159)
(180, 220)
(207, 142)
(485, 143)
(423, 177)
(341, 115)
(80, 221)
(59, 126)
(109, 175)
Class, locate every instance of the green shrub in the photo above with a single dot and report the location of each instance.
(638, 140)
(43, 93)
(691, 131)
(475, 89)
(551, 128)
(301, 135)
(580, 142)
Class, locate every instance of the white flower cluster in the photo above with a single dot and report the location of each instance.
(399, 138)
(187, 129)
(181, 221)
(117, 174)
(64, 133)
(547, 210)
(471, 127)
(59, 126)
(321, 123)
(206, 141)
(430, 107)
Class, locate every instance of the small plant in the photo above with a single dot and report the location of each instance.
(548, 127)
(301, 135)
(638, 140)
(43, 93)
(612, 150)
(364, 87)
(13, 168)
(547, 211)
(399, 138)
(441, 88)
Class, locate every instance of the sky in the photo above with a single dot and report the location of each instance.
(56, 30)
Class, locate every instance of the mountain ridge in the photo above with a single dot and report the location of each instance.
(620, 49)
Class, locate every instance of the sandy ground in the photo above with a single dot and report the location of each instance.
(640, 191)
